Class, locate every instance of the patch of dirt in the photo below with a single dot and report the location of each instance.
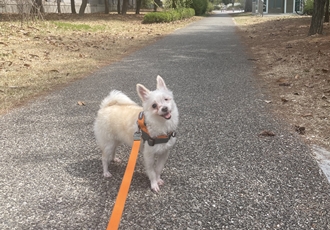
(37, 56)
(294, 69)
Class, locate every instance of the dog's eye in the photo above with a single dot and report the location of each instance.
(154, 106)
(166, 99)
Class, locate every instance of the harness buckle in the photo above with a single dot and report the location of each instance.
(151, 141)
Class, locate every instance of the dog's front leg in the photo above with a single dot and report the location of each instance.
(149, 161)
(159, 166)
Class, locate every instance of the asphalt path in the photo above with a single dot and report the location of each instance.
(221, 174)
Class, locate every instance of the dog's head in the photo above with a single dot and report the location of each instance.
(159, 102)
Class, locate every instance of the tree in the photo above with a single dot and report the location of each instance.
(138, 6)
(37, 7)
(82, 7)
(106, 7)
(59, 6)
(157, 3)
(118, 6)
(326, 18)
(316, 26)
(248, 6)
(125, 7)
(73, 7)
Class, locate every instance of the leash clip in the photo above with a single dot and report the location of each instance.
(137, 135)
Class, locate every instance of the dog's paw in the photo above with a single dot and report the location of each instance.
(155, 187)
(160, 182)
(107, 174)
(117, 160)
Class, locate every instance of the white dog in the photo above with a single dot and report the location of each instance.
(116, 123)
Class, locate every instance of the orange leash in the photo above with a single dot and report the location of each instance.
(124, 187)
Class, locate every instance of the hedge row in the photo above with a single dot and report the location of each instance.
(169, 15)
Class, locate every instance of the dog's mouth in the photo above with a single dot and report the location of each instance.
(167, 116)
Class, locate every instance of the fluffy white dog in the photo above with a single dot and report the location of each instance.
(119, 118)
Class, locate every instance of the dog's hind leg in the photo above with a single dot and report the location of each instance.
(108, 155)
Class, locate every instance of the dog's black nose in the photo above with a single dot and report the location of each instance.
(164, 109)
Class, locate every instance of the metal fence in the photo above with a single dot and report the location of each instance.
(25, 6)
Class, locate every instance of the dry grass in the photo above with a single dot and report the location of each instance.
(39, 56)
(293, 69)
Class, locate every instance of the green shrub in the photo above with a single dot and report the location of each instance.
(186, 13)
(209, 7)
(308, 7)
(200, 6)
(156, 17)
(169, 15)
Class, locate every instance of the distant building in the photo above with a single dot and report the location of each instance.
(278, 6)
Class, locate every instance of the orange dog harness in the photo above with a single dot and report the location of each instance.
(146, 136)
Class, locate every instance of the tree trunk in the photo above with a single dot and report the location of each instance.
(248, 6)
(83, 7)
(73, 7)
(37, 7)
(316, 26)
(42, 9)
(125, 7)
(138, 6)
(326, 18)
(106, 7)
(118, 6)
(157, 3)
(59, 6)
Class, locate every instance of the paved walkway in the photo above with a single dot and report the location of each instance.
(220, 175)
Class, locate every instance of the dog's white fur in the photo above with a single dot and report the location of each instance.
(116, 123)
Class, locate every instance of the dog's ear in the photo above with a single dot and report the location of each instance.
(142, 91)
(161, 83)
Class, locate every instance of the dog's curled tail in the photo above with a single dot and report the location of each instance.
(116, 97)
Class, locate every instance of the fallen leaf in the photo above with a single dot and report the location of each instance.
(268, 102)
(81, 103)
(27, 65)
(266, 133)
(54, 70)
(325, 70)
(285, 84)
(252, 59)
(284, 100)
(324, 97)
(281, 79)
(309, 86)
(300, 129)
(33, 55)
(288, 46)
(307, 115)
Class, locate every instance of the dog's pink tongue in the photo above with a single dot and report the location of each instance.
(167, 116)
